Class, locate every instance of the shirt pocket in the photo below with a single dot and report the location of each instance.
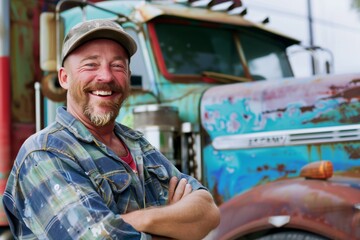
(119, 182)
(156, 185)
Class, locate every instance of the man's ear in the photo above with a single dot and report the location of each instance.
(63, 78)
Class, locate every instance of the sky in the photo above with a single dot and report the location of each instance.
(336, 27)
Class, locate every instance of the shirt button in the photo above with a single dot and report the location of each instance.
(57, 187)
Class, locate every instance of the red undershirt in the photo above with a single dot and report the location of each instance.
(128, 159)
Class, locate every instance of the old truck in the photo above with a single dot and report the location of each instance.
(217, 95)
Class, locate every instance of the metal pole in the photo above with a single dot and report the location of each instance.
(311, 34)
(37, 87)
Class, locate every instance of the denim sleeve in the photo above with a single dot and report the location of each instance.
(55, 199)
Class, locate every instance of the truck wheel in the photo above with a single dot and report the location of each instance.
(292, 235)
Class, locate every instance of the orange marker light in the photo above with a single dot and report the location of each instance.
(317, 170)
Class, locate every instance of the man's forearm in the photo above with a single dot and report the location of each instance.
(191, 218)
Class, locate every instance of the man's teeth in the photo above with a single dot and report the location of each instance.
(102, 93)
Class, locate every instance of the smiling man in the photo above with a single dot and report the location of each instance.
(89, 177)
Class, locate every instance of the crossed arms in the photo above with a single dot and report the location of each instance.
(49, 202)
(189, 215)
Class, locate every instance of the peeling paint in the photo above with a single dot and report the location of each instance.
(278, 105)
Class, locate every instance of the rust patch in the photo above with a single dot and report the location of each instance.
(349, 94)
(319, 119)
(274, 111)
(354, 153)
(343, 113)
(355, 81)
(216, 195)
(262, 168)
(281, 167)
(307, 109)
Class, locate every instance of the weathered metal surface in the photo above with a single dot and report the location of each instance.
(18, 73)
(24, 64)
(325, 207)
(141, 12)
(266, 106)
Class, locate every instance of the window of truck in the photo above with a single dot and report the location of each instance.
(266, 57)
(140, 75)
(193, 48)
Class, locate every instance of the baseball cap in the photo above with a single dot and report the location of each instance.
(95, 29)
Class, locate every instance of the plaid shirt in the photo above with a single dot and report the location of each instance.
(65, 184)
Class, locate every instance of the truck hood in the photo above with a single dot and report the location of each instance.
(281, 105)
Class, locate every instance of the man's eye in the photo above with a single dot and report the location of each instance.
(118, 65)
(90, 64)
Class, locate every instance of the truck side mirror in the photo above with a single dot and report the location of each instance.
(50, 41)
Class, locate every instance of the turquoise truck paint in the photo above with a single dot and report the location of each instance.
(276, 106)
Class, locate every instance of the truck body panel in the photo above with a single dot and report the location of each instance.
(248, 130)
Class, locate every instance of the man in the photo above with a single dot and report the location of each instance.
(88, 177)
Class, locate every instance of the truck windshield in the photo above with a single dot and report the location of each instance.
(194, 49)
(265, 57)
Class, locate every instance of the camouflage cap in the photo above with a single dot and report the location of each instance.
(95, 29)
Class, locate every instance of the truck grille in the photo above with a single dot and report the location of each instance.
(288, 137)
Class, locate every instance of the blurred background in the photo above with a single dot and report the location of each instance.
(331, 24)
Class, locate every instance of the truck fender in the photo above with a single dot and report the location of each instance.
(300, 203)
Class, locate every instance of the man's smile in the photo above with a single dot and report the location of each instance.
(102, 93)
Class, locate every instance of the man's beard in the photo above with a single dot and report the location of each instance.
(103, 119)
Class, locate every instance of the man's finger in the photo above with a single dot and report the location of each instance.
(172, 187)
(180, 189)
(188, 189)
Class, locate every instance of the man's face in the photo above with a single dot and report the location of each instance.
(96, 76)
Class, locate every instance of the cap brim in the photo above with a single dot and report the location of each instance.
(120, 37)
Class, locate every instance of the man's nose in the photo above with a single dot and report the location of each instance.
(105, 74)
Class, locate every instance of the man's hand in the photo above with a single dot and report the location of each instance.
(178, 189)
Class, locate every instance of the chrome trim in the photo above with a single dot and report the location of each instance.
(37, 87)
(279, 221)
(288, 137)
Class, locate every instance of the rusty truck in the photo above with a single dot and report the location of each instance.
(216, 94)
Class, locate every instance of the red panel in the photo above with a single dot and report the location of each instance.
(4, 119)
(20, 132)
(5, 160)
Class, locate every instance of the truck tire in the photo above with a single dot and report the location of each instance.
(292, 235)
